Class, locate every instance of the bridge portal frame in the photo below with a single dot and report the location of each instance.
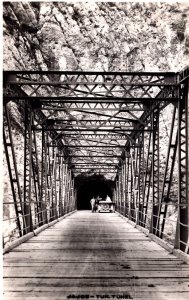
(137, 193)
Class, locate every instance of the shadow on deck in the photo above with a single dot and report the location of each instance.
(93, 256)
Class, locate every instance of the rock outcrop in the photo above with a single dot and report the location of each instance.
(96, 36)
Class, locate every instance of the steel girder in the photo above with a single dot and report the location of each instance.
(81, 117)
(182, 230)
(28, 119)
(13, 174)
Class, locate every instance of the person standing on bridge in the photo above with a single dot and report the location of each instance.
(108, 199)
(93, 204)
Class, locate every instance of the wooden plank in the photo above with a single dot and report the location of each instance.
(95, 265)
(58, 287)
(70, 273)
(106, 268)
(23, 283)
(98, 255)
(73, 254)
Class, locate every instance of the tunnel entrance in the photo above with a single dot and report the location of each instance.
(89, 186)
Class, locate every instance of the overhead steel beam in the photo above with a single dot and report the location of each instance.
(92, 100)
(95, 110)
(80, 83)
(94, 129)
(98, 171)
(93, 163)
(115, 116)
(97, 156)
(83, 136)
(91, 121)
(92, 146)
(93, 167)
(90, 128)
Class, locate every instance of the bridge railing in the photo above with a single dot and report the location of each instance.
(39, 185)
(143, 219)
(152, 182)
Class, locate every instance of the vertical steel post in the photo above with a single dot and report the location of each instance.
(66, 188)
(129, 187)
(36, 180)
(69, 191)
(119, 192)
(182, 231)
(53, 205)
(44, 176)
(61, 187)
(155, 170)
(49, 167)
(55, 184)
(124, 187)
(134, 183)
(121, 188)
(72, 194)
(117, 197)
(13, 172)
(141, 178)
(27, 169)
(147, 180)
(58, 174)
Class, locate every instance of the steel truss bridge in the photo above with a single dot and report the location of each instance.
(98, 122)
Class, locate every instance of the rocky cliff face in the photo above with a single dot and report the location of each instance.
(96, 36)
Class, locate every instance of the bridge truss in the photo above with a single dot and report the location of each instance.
(99, 122)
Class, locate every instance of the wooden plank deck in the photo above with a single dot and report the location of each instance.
(93, 256)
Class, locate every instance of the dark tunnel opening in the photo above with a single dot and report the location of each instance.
(92, 186)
